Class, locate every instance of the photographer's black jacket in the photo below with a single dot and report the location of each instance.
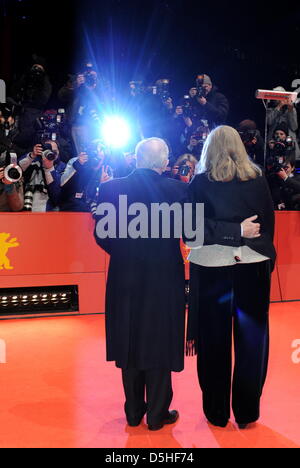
(86, 102)
(12, 142)
(74, 182)
(293, 183)
(32, 95)
(288, 189)
(215, 111)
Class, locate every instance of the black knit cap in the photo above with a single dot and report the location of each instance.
(283, 127)
(38, 60)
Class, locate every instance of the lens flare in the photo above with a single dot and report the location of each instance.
(115, 131)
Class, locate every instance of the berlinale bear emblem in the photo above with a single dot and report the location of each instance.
(5, 244)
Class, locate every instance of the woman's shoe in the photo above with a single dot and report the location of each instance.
(218, 423)
(242, 426)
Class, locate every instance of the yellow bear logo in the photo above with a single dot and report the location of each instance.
(5, 244)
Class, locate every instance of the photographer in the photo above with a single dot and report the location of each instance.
(82, 177)
(52, 125)
(289, 184)
(180, 125)
(281, 149)
(282, 145)
(253, 142)
(32, 92)
(209, 103)
(87, 101)
(124, 165)
(283, 113)
(42, 171)
(196, 139)
(155, 110)
(11, 188)
(184, 168)
(11, 138)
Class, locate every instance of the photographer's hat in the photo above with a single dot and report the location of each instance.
(38, 60)
(207, 80)
(282, 127)
(247, 124)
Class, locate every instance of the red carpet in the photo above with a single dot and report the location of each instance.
(58, 391)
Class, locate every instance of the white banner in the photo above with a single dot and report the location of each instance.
(2, 92)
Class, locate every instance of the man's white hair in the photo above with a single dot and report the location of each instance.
(152, 153)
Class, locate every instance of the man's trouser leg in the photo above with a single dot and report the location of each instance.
(159, 394)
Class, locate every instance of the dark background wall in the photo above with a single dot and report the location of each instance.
(241, 46)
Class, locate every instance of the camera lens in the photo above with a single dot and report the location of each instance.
(28, 200)
(184, 170)
(50, 155)
(13, 174)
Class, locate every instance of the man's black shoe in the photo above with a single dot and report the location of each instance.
(170, 419)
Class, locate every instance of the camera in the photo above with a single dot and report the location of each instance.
(48, 152)
(199, 86)
(184, 170)
(281, 147)
(89, 75)
(279, 153)
(37, 70)
(36, 74)
(28, 197)
(50, 124)
(92, 151)
(160, 89)
(29, 192)
(186, 105)
(162, 86)
(12, 172)
(275, 164)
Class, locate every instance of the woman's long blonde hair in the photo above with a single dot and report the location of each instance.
(224, 157)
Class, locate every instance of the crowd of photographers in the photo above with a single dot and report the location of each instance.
(55, 160)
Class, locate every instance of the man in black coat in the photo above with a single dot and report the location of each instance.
(145, 295)
(212, 105)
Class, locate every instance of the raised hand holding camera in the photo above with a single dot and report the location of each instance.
(282, 174)
(37, 151)
(194, 141)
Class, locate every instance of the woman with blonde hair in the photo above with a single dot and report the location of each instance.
(230, 286)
